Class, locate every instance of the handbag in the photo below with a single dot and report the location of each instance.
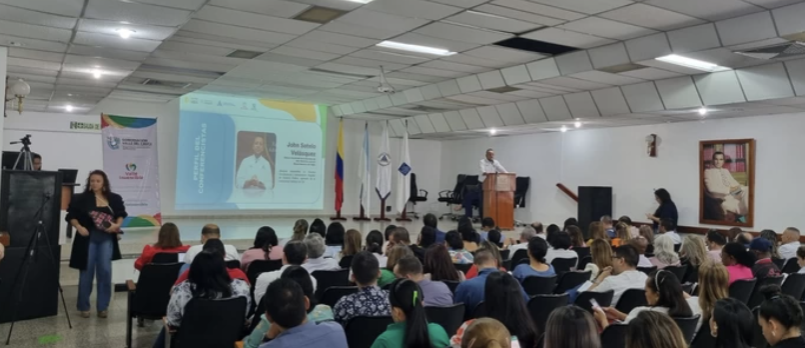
(101, 219)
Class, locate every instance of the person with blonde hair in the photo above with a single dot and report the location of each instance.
(622, 235)
(395, 254)
(571, 327)
(693, 250)
(352, 246)
(597, 231)
(486, 333)
(664, 254)
(652, 329)
(601, 254)
(713, 285)
(299, 230)
(646, 232)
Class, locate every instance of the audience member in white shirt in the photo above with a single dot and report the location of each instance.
(560, 248)
(295, 254)
(667, 228)
(715, 241)
(623, 274)
(526, 234)
(790, 243)
(210, 231)
(640, 244)
(315, 255)
(601, 253)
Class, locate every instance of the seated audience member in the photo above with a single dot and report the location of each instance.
(435, 293)
(431, 221)
(315, 255)
(266, 247)
(788, 250)
(537, 248)
(601, 253)
(715, 241)
(370, 300)
(771, 236)
(291, 327)
(496, 235)
(334, 239)
(486, 332)
(664, 254)
(471, 291)
(571, 327)
(693, 251)
(668, 227)
(622, 276)
(576, 238)
(352, 245)
(713, 285)
(216, 247)
(646, 232)
(732, 324)
(168, 241)
(396, 254)
(299, 230)
(210, 231)
(560, 248)
(539, 229)
(745, 238)
(319, 227)
(640, 244)
(526, 234)
(295, 254)
(469, 236)
(488, 225)
(551, 232)
(487, 245)
(315, 312)
(597, 232)
(733, 233)
(411, 327)
(387, 234)
(502, 303)
(374, 244)
(455, 246)
(622, 235)
(570, 222)
(208, 279)
(426, 238)
(652, 329)
(402, 237)
(633, 231)
(663, 294)
(764, 267)
(780, 318)
(801, 259)
(609, 227)
(738, 261)
(438, 265)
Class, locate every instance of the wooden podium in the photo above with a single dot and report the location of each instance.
(499, 199)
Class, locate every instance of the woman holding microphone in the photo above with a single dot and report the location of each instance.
(96, 215)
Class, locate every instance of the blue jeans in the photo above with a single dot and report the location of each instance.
(99, 263)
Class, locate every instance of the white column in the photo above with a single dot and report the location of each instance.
(3, 63)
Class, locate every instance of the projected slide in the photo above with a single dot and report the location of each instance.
(247, 154)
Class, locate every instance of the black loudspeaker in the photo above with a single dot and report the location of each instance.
(22, 194)
(594, 202)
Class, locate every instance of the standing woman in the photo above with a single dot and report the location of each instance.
(96, 215)
(666, 210)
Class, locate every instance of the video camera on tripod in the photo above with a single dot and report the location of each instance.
(25, 153)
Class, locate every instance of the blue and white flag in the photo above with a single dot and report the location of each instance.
(404, 174)
(383, 184)
(363, 170)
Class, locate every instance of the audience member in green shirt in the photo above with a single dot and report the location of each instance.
(410, 328)
(395, 254)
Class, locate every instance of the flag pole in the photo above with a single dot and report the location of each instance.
(382, 211)
(362, 217)
(403, 216)
(339, 173)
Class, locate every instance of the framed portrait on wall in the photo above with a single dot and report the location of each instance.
(727, 182)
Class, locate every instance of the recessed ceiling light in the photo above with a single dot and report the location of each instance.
(703, 111)
(577, 124)
(96, 74)
(416, 48)
(125, 33)
(692, 63)
(69, 108)
(493, 131)
(563, 129)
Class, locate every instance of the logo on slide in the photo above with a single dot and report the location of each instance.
(383, 159)
(113, 142)
(131, 167)
(405, 169)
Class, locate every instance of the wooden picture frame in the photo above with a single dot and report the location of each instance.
(727, 182)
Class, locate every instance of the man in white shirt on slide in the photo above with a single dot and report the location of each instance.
(790, 243)
(489, 165)
(622, 276)
(254, 171)
(210, 231)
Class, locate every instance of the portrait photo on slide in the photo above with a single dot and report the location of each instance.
(255, 159)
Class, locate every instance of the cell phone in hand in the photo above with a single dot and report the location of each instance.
(595, 304)
(106, 224)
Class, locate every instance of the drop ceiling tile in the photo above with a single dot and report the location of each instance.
(413, 8)
(696, 38)
(424, 40)
(136, 13)
(423, 121)
(34, 31)
(281, 58)
(23, 15)
(339, 39)
(510, 114)
(796, 71)
(469, 84)
(471, 118)
(504, 54)
(193, 48)
(414, 77)
(490, 116)
(740, 30)
(719, 88)
(606, 28)
(360, 30)
(471, 60)
(609, 55)
(710, 10)
(555, 108)
(578, 84)
(369, 63)
(316, 45)
(204, 27)
(254, 21)
(376, 19)
(642, 97)
(439, 123)
(383, 101)
(789, 19)
(651, 17)
(275, 8)
(543, 69)
(650, 74)
(610, 101)
(574, 62)
(678, 93)
(383, 56)
(148, 32)
(567, 38)
(581, 105)
(357, 107)
(220, 41)
(451, 87)
(585, 6)
(540, 9)
(17, 52)
(606, 78)
(531, 110)
(516, 75)
(648, 47)
(518, 15)
(530, 94)
(494, 22)
(33, 64)
(462, 33)
(492, 79)
(474, 100)
(765, 82)
(436, 73)
(450, 66)
(93, 39)
(455, 121)
(35, 44)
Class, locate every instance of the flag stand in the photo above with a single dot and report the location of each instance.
(338, 216)
(403, 216)
(382, 211)
(362, 217)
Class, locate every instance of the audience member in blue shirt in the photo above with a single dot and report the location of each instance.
(606, 220)
(537, 248)
(471, 292)
(287, 313)
(427, 237)
(434, 293)
(430, 220)
(488, 224)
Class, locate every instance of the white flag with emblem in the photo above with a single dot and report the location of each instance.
(383, 183)
(363, 170)
(404, 174)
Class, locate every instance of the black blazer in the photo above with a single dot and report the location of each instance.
(79, 209)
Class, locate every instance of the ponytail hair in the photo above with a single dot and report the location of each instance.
(781, 307)
(407, 296)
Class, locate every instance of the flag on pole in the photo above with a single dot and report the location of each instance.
(363, 169)
(404, 174)
(383, 184)
(339, 168)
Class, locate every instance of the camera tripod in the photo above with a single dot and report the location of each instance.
(25, 154)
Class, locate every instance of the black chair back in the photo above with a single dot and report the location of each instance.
(563, 265)
(631, 299)
(450, 317)
(582, 252)
(541, 306)
(791, 266)
(703, 338)
(614, 336)
(688, 327)
(518, 256)
(678, 271)
(163, 258)
(478, 312)
(757, 298)
(570, 280)
(346, 261)
(778, 262)
(794, 285)
(362, 331)
(464, 267)
(504, 254)
(258, 267)
(534, 285)
(334, 293)
(688, 288)
(604, 299)
(692, 275)
(326, 279)
(452, 285)
(150, 300)
(584, 262)
(676, 247)
(232, 264)
(742, 289)
(647, 270)
(211, 323)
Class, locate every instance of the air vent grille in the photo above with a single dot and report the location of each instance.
(169, 84)
(788, 50)
(320, 15)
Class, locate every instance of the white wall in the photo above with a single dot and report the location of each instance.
(616, 157)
